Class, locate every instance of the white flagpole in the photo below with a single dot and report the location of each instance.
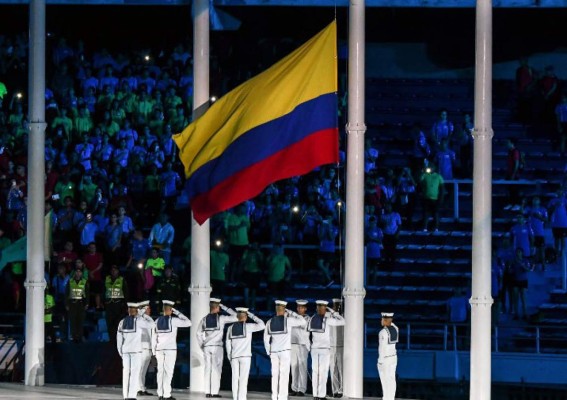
(481, 300)
(35, 281)
(200, 287)
(354, 291)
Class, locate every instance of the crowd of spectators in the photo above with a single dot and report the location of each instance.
(113, 182)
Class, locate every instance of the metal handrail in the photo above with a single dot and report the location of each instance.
(441, 331)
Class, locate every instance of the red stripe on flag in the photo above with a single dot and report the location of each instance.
(300, 158)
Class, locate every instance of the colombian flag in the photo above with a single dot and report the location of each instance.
(280, 123)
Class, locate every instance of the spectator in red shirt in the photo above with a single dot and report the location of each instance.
(94, 263)
(67, 257)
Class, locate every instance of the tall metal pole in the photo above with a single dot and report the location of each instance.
(35, 281)
(481, 300)
(353, 291)
(200, 287)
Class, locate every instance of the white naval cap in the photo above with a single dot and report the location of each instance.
(214, 300)
(144, 303)
(281, 303)
(301, 302)
(387, 315)
(132, 305)
(322, 302)
(337, 300)
(168, 302)
(241, 309)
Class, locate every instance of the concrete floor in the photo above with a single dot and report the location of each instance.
(14, 391)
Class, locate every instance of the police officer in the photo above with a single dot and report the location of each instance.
(129, 345)
(277, 341)
(77, 303)
(337, 348)
(165, 346)
(387, 356)
(319, 327)
(209, 337)
(116, 292)
(300, 346)
(239, 350)
(144, 311)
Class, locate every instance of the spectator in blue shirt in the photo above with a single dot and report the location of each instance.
(442, 129)
(445, 158)
(374, 236)
(391, 222)
(522, 236)
(557, 209)
(520, 268)
(537, 218)
(87, 230)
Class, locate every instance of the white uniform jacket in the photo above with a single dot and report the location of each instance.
(387, 339)
(320, 329)
(300, 335)
(165, 330)
(210, 331)
(147, 333)
(239, 337)
(277, 335)
(129, 334)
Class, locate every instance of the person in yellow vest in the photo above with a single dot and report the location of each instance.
(48, 315)
(116, 294)
(77, 304)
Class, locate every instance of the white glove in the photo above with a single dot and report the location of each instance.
(223, 307)
(141, 311)
(174, 311)
(329, 309)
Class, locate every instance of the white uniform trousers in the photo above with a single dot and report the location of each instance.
(213, 368)
(240, 371)
(280, 374)
(320, 371)
(165, 367)
(387, 371)
(145, 363)
(299, 354)
(337, 369)
(131, 363)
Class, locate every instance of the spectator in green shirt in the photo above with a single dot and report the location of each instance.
(156, 264)
(253, 266)
(279, 266)
(237, 226)
(433, 191)
(219, 264)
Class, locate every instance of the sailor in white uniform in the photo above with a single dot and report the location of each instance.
(337, 348)
(239, 350)
(319, 327)
(387, 356)
(209, 336)
(277, 341)
(165, 346)
(300, 346)
(129, 344)
(144, 311)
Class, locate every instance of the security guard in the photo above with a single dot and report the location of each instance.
(319, 327)
(387, 356)
(144, 311)
(300, 346)
(165, 329)
(277, 341)
(115, 300)
(337, 348)
(209, 337)
(169, 287)
(129, 345)
(239, 350)
(77, 303)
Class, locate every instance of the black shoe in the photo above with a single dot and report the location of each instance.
(337, 395)
(145, 393)
(292, 393)
(299, 394)
(216, 395)
(140, 393)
